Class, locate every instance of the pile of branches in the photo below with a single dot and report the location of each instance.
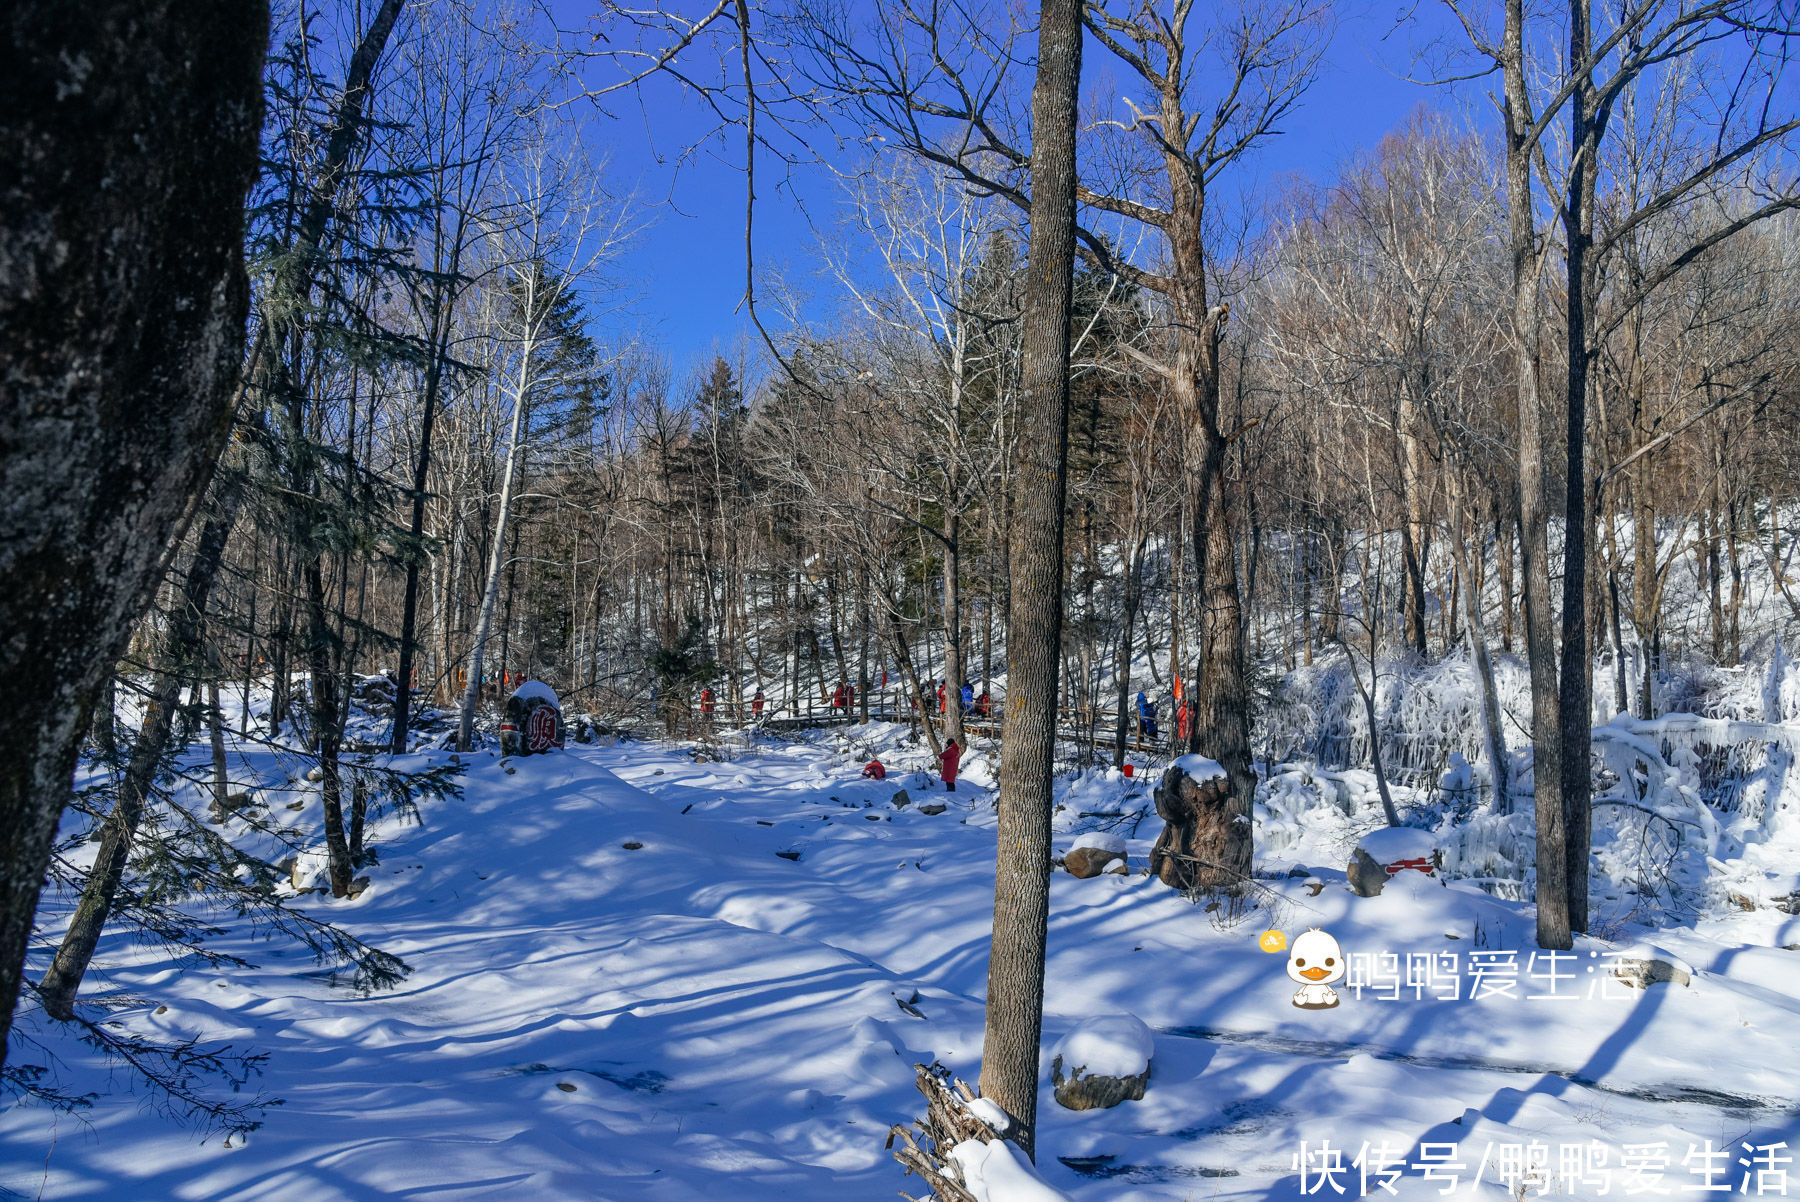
(949, 1120)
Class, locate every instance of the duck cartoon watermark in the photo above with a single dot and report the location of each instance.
(1315, 961)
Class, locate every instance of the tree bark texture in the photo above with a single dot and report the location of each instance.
(1219, 692)
(128, 142)
(1575, 699)
(1015, 999)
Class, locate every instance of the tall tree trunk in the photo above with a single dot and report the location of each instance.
(904, 654)
(128, 142)
(409, 608)
(954, 667)
(1133, 599)
(1413, 532)
(1494, 734)
(1646, 597)
(1506, 526)
(104, 727)
(327, 722)
(175, 664)
(1575, 699)
(1220, 727)
(863, 603)
(490, 593)
(1015, 998)
(215, 727)
(1534, 499)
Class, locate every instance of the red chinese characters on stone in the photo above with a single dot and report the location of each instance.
(540, 729)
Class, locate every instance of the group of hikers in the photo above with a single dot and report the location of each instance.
(972, 706)
(1146, 715)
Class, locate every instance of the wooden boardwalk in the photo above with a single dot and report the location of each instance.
(1071, 727)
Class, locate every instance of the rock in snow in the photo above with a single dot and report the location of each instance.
(1642, 965)
(1366, 877)
(1085, 862)
(1380, 851)
(994, 1172)
(1094, 853)
(1101, 840)
(1102, 1062)
(1391, 844)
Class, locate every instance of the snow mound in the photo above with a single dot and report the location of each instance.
(992, 1172)
(1392, 843)
(1115, 1045)
(1199, 767)
(989, 1112)
(537, 689)
(1649, 951)
(1102, 841)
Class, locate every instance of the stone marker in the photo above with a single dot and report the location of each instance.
(532, 721)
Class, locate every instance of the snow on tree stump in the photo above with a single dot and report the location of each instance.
(1386, 853)
(532, 721)
(1202, 838)
(1102, 1062)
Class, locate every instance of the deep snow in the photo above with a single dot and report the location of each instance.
(701, 1017)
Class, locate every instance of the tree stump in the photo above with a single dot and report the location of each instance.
(1204, 836)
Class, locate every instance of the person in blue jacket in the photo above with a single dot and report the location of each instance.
(968, 697)
(1146, 716)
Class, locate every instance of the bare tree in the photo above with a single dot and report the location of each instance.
(560, 226)
(1641, 44)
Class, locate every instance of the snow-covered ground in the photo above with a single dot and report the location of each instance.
(638, 976)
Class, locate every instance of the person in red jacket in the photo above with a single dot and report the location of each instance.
(950, 758)
(837, 696)
(756, 705)
(706, 702)
(940, 696)
(984, 706)
(1181, 723)
(874, 770)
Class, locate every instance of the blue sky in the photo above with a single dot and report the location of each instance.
(687, 268)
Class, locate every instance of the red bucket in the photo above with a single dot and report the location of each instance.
(1128, 769)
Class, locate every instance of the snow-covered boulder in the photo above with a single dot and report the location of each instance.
(532, 722)
(1642, 965)
(1387, 852)
(1094, 853)
(1102, 1062)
